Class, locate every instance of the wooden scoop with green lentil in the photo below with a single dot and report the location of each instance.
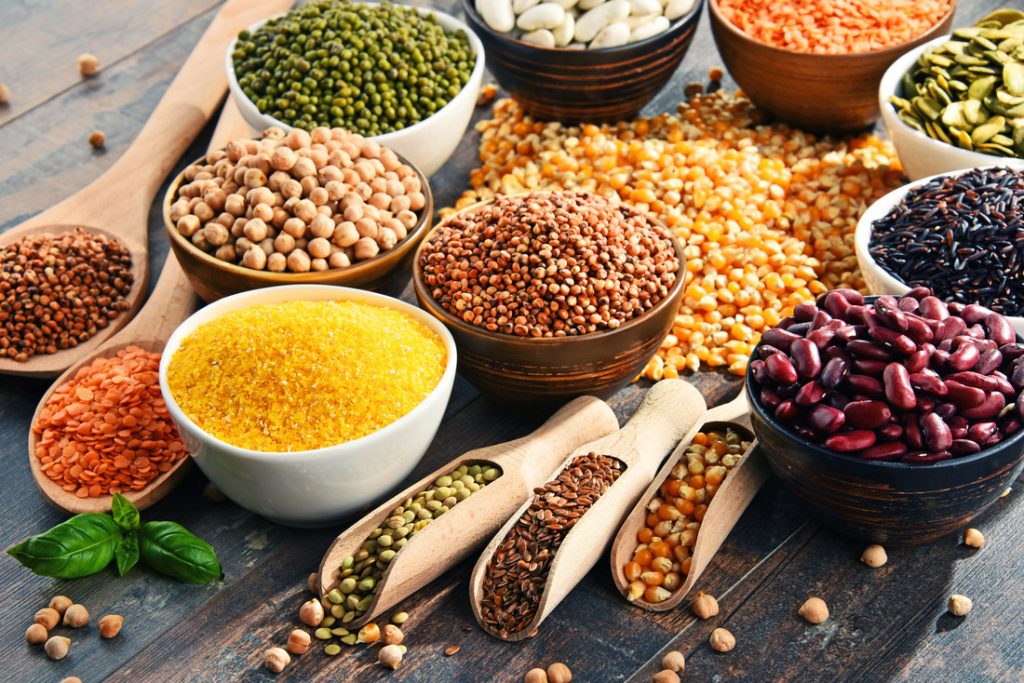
(438, 521)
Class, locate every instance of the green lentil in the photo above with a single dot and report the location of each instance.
(332, 649)
(370, 68)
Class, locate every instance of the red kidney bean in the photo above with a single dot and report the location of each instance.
(908, 304)
(989, 409)
(963, 447)
(821, 337)
(946, 345)
(805, 312)
(976, 332)
(999, 329)
(935, 431)
(834, 372)
(837, 400)
(964, 396)
(835, 352)
(1012, 351)
(787, 391)
(890, 314)
(780, 369)
(805, 432)
(919, 292)
(864, 384)
(918, 330)
(932, 307)
(957, 426)
(820, 319)
(786, 411)
(889, 432)
(1018, 375)
(799, 329)
(939, 357)
(847, 442)
(786, 323)
(964, 358)
(928, 381)
(955, 307)
(1011, 427)
(826, 419)
(917, 361)
(889, 450)
(769, 398)
(926, 404)
(765, 350)
(809, 394)
(869, 366)
(846, 333)
(923, 458)
(867, 414)
(851, 295)
(896, 381)
(780, 339)
(858, 315)
(862, 348)
(912, 431)
(756, 368)
(976, 380)
(806, 358)
(984, 433)
(945, 410)
(900, 342)
(975, 313)
(989, 362)
(836, 304)
(950, 328)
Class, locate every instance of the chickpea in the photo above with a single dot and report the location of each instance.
(814, 611)
(5, 94)
(276, 659)
(722, 640)
(76, 616)
(188, 225)
(263, 212)
(305, 210)
(235, 204)
(277, 262)
(57, 647)
(666, 676)
(47, 617)
(298, 261)
(255, 258)
(319, 196)
(97, 139)
(536, 675)
(366, 227)
(283, 158)
(390, 656)
(322, 226)
(559, 673)
(254, 177)
(386, 239)
(311, 613)
(704, 606)
(88, 65)
(216, 234)
(674, 661)
(319, 265)
(71, 679)
(255, 230)
(392, 635)
(298, 642)
(110, 625)
(339, 260)
(960, 605)
(345, 234)
(36, 634)
(974, 538)
(226, 253)
(874, 556)
(366, 248)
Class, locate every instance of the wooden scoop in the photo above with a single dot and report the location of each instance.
(525, 464)
(172, 301)
(732, 498)
(669, 410)
(117, 203)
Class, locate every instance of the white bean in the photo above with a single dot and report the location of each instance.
(520, 6)
(541, 37)
(497, 14)
(564, 32)
(591, 23)
(589, 4)
(576, 46)
(643, 8)
(653, 27)
(565, 4)
(611, 35)
(545, 15)
(677, 8)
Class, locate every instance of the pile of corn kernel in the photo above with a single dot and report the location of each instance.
(766, 213)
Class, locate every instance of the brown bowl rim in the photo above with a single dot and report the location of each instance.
(718, 17)
(439, 311)
(470, 10)
(388, 259)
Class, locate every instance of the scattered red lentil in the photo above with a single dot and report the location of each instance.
(834, 26)
(107, 430)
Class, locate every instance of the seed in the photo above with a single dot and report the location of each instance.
(110, 625)
(814, 610)
(350, 639)
(5, 94)
(323, 633)
(276, 659)
(390, 656)
(88, 65)
(666, 676)
(97, 139)
(451, 650)
(36, 634)
(76, 616)
(400, 618)
(722, 640)
(559, 673)
(57, 647)
(298, 642)
(674, 661)
(874, 556)
(960, 605)
(536, 675)
(71, 679)
(392, 635)
(313, 582)
(704, 606)
(974, 538)
(47, 617)
(332, 649)
(369, 634)
(311, 613)
(60, 603)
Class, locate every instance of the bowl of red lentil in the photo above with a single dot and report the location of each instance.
(551, 295)
(305, 403)
(817, 65)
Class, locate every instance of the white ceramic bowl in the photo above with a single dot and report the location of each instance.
(317, 487)
(878, 281)
(428, 143)
(921, 155)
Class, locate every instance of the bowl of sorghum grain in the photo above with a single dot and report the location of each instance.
(324, 207)
(551, 295)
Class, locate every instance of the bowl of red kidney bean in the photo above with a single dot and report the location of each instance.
(897, 419)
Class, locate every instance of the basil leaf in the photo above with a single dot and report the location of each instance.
(171, 549)
(125, 514)
(81, 546)
(127, 552)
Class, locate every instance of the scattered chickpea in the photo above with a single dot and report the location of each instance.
(76, 616)
(61, 603)
(5, 93)
(960, 605)
(369, 634)
(48, 617)
(276, 659)
(110, 625)
(704, 606)
(974, 538)
(536, 675)
(451, 650)
(390, 656)
(559, 673)
(722, 640)
(298, 642)
(666, 676)
(88, 65)
(311, 613)
(313, 582)
(57, 647)
(674, 661)
(814, 610)
(874, 556)
(36, 634)
(97, 139)
(71, 679)
(392, 635)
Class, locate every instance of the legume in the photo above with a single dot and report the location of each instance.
(57, 291)
(549, 264)
(662, 556)
(831, 27)
(962, 235)
(371, 68)
(107, 430)
(336, 371)
(514, 579)
(910, 379)
(767, 213)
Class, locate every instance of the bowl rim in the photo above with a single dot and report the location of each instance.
(446, 317)
(300, 292)
(470, 9)
(384, 138)
(395, 254)
(717, 15)
(755, 403)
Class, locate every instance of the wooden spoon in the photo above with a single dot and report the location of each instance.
(172, 301)
(732, 498)
(525, 463)
(117, 203)
(669, 410)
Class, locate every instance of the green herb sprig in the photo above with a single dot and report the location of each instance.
(86, 544)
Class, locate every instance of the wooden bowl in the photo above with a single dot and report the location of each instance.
(892, 503)
(826, 93)
(571, 86)
(549, 370)
(213, 278)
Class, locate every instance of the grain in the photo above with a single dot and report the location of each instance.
(107, 430)
(97, 139)
(336, 370)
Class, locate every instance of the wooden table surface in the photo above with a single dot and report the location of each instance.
(886, 624)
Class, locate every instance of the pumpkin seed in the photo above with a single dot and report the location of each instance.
(1013, 78)
(980, 88)
(987, 130)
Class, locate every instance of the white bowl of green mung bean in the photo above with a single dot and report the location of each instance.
(384, 75)
(305, 403)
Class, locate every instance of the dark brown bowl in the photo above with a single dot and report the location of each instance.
(213, 278)
(544, 371)
(571, 86)
(827, 93)
(892, 503)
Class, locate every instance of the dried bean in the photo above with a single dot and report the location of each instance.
(867, 414)
(928, 381)
(989, 409)
(889, 450)
(833, 373)
(896, 381)
(806, 358)
(810, 394)
(780, 369)
(781, 339)
(964, 447)
(964, 396)
(964, 358)
(826, 419)
(900, 342)
(847, 442)
(935, 433)
(889, 432)
(861, 348)
(864, 384)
